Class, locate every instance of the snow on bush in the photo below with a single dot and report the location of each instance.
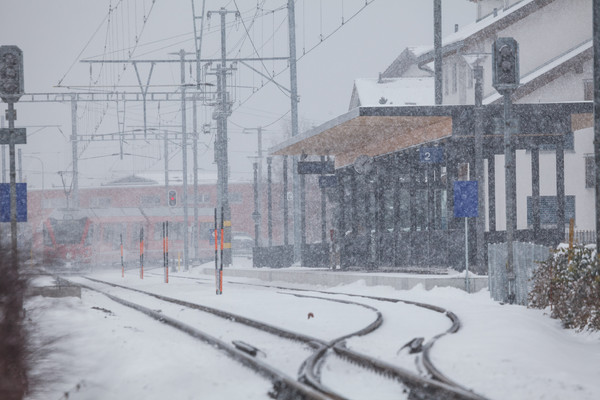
(569, 283)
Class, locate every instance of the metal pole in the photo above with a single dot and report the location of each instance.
(222, 174)
(509, 167)
(480, 221)
(3, 154)
(256, 214)
(302, 215)
(166, 145)
(269, 202)
(285, 201)
(298, 213)
(437, 45)
(260, 171)
(467, 256)
(323, 212)
(13, 184)
(75, 156)
(184, 157)
(596, 29)
(20, 165)
(195, 236)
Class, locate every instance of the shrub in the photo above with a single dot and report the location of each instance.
(13, 349)
(569, 283)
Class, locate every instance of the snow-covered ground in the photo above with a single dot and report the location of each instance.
(112, 352)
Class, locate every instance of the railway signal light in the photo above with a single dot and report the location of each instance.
(11, 73)
(172, 198)
(505, 64)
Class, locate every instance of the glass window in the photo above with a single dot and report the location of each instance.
(150, 201)
(590, 168)
(548, 210)
(388, 207)
(421, 205)
(404, 210)
(68, 231)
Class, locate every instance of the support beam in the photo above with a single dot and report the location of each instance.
(74, 153)
(437, 45)
(535, 191)
(492, 193)
(560, 189)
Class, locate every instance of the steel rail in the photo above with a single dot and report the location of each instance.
(284, 387)
(435, 373)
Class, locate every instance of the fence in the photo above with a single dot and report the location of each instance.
(525, 259)
(582, 237)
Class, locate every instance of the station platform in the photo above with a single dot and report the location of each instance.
(329, 277)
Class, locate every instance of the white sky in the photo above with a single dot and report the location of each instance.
(55, 35)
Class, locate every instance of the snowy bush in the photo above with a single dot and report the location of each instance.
(569, 283)
(13, 349)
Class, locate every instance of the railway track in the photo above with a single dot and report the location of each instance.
(309, 384)
(424, 361)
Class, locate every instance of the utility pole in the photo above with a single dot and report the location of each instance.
(505, 79)
(259, 131)
(184, 160)
(74, 155)
(298, 210)
(437, 45)
(11, 90)
(224, 111)
(480, 220)
(195, 236)
(596, 24)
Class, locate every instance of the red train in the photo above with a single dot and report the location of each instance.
(75, 238)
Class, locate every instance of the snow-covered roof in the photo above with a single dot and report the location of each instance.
(456, 38)
(398, 91)
(158, 178)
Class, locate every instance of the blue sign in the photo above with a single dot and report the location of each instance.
(5, 202)
(431, 155)
(465, 199)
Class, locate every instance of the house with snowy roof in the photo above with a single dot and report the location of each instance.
(397, 154)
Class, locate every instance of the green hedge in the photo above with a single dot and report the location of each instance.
(569, 283)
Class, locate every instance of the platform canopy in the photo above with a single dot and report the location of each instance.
(374, 131)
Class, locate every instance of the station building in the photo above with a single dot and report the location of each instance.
(397, 155)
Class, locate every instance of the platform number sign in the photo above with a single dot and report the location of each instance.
(431, 155)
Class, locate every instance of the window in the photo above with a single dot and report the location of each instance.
(590, 176)
(548, 210)
(588, 89)
(404, 209)
(100, 202)
(454, 78)
(420, 210)
(235, 197)
(150, 201)
(470, 78)
(446, 85)
(203, 197)
(388, 207)
(111, 234)
(569, 143)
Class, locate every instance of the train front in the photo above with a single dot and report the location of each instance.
(67, 240)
